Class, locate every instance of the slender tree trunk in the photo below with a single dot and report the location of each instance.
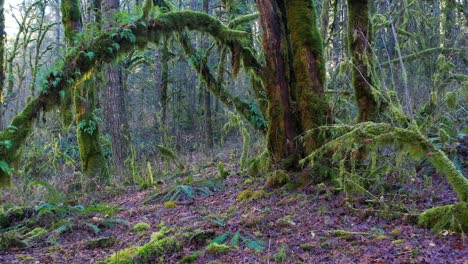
(2, 60)
(207, 96)
(164, 81)
(114, 104)
(359, 41)
(449, 23)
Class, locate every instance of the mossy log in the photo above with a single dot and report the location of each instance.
(448, 217)
(105, 48)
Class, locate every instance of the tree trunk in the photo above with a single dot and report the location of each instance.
(114, 103)
(164, 81)
(294, 78)
(359, 41)
(207, 96)
(2, 60)
(93, 162)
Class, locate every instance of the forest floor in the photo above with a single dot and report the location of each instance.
(314, 224)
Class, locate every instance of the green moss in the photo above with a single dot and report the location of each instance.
(249, 195)
(281, 255)
(217, 249)
(11, 239)
(170, 204)
(191, 258)
(78, 65)
(34, 234)
(309, 69)
(124, 256)
(222, 172)
(71, 18)
(102, 242)
(158, 248)
(151, 252)
(141, 227)
(24, 257)
(307, 246)
(260, 164)
(163, 231)
(277, 179)
(448, 217)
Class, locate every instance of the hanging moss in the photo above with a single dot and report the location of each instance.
(406, 139)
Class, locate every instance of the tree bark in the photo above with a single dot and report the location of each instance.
(294, 78)
(2, 59)
(359, 41)
(93, 162)
(207, 96)
(114, 103)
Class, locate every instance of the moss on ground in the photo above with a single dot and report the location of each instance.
(277, 179)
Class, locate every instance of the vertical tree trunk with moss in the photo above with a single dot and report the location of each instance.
(359, 41)
(114, 104)
(2, 59)
(207, 96)
(93, 162)
(164, 81)
(449, 23)
(294, 78)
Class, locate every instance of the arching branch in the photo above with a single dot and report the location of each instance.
(87, 57)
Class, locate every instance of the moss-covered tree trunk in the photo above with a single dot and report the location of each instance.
(2, 59)
(207, 96)
(93, 162)
(294, 78)
(114, 103)
(359, 41)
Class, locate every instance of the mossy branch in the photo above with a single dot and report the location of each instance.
(217, 89)
(423, 53)
(238, 21)
(103, 49)
(410, 139)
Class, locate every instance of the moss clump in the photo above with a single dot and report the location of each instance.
(249, 195)
(34, 234)
(3, 219)
(158, 248)
(191, 258)
(160, 234)
(102, 242)
(223, 173)
(141, 227)
(217, 249)
(149, 252)
(277, 179)
(448, 217)
(125, 256)
(281, 255)
(24, 257)
(170, 204)
(10, 240)
(260, 164)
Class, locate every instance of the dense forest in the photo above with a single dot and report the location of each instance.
(233, 131)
